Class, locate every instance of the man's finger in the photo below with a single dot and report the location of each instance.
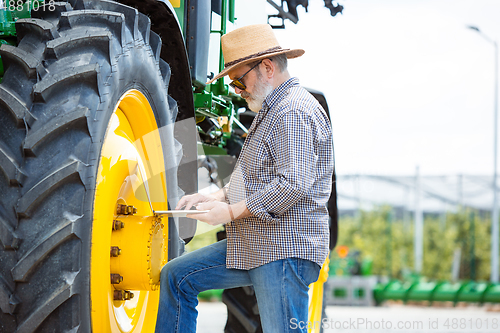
(205, 205)
(189, 204)
(182, 202)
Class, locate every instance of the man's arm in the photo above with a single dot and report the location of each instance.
(239, 210)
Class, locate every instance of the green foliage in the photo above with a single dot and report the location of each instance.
(205, 235)
(389, 242)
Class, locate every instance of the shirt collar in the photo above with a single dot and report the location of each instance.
(277, 94)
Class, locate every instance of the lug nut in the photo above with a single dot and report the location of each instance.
(117, 225)
(122, 295)
(116, 278)
(115, 251)
(125, 210)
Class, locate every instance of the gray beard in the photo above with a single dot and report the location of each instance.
(255, 100)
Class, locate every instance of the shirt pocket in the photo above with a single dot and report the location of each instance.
(258, 162)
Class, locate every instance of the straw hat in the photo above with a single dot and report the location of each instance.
(248, 44)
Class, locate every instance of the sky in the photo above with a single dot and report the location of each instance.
(408, 84)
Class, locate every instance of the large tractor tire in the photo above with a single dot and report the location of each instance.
(86, 130)
(242, 311)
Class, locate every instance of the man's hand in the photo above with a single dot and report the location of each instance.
(190, 200)
(220, 213)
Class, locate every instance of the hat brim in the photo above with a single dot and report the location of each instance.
(290, 54)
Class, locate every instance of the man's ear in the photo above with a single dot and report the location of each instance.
(269, 68)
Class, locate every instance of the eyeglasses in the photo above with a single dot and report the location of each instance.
(240, 85)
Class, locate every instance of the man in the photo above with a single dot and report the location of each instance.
(275, 206)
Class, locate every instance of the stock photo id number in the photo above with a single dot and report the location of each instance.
(34, 5)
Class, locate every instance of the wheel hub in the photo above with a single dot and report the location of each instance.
(142, 252)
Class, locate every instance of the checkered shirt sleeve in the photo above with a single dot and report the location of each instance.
(284, 173)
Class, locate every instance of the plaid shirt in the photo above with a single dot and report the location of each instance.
(284, 173)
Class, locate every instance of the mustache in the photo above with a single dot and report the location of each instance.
(244, 94)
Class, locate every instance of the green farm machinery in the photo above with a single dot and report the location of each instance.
(105, 118)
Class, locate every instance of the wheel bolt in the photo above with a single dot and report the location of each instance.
(122, 295)
(117, 225)
(116, 278)
(125, 210)
(115, 251)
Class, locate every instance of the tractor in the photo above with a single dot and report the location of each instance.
(105, 119)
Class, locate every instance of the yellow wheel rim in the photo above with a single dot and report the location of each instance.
(130, 184)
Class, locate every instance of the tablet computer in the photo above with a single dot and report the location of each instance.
(180, 213)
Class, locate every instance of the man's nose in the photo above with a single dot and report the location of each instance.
(237, 90)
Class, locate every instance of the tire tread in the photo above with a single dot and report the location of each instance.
(114, 21)
(44, 187)
(8, 236)
(165, 72)
(43, 29)
(57, 119)
(155, 43)
(11, 53)
(8, 301)
(55, 82)
(58, 47)
(16, 107)
(131, 14)
(52, 302)
(52, 128)
(234, 308)
(144, 27)
(11, 168)
(37, 253)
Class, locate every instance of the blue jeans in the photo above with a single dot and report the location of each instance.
(280, 286)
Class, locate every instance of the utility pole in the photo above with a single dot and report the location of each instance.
(494, 214)
(419, 224)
